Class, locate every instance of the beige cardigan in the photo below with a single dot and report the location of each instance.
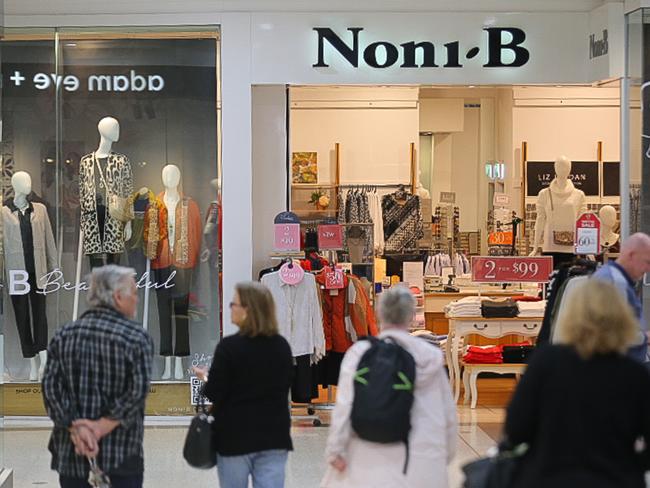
(44, 247)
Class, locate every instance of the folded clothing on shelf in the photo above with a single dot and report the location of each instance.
(517, 353)
(483, 355)
(527, 298)
(505, 308)
(465, 307)
(430, 337)
(532, 309)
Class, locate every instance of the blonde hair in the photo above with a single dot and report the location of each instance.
(596, 319)
(260, 310)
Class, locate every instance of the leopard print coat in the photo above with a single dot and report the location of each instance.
(119, 179)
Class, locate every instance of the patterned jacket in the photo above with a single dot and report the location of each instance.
(119, 179)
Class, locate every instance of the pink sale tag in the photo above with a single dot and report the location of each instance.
(287, 237)
(291, 273)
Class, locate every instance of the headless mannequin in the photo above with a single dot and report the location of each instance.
(171, 177)
(608, 237)
(21, 182)
(558, 208)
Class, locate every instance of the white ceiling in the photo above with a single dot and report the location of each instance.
(48, 7)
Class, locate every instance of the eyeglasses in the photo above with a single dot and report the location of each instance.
(233, 304)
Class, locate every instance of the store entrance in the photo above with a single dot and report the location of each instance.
(423, 178)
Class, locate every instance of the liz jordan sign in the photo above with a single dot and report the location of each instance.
(505, 47)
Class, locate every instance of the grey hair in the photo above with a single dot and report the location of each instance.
(105, 281)
(397, 307)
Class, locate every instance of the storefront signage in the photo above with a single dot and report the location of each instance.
(330, 237)
(514, 269)
(598, 47)
(588, 234)
(584, 175)
(132, 81)
(384, 54)
(447, 197)
(501, 200)
(611, 179)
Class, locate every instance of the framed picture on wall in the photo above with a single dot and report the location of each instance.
(584, 175)
(304, 167)
(611, 178)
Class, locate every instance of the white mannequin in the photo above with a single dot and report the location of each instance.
(21, 182)
(607, 216)
(171, 178)
(109, 132)
(558, 208)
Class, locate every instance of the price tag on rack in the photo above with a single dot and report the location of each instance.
(587, 234)
(334, 278)
(511, 269)
(330, 237)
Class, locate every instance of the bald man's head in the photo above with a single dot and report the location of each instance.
(635, 255)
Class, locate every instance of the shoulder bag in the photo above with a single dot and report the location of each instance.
(560, 237)
(200, 450)
(497, 471)
(117, 205)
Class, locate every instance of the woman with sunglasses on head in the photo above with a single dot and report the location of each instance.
(248, 384)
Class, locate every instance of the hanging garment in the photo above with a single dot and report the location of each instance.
(118, 176)
(361, 312)
(149, 224)
(187, 233)
(334, 303)
(402, 223)
(299, 316)
(376, 216)
(557, 211)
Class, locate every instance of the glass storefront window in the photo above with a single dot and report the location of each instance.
(111, 143)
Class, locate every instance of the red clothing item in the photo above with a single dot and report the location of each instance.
(334, 306)
(484, 355)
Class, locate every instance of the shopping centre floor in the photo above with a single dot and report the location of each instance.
(25, 448)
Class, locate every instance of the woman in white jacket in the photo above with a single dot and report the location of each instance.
(356, 463)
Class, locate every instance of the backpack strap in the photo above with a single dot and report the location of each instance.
(408, 455)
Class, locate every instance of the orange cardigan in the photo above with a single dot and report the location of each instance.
(187, 239)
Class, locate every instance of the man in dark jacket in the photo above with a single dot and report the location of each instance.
(95, 385)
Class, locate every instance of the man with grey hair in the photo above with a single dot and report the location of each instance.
(96, 382)
(354, 461)
(624, 273)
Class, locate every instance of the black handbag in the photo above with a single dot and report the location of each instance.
(494, 471)
(200, 450)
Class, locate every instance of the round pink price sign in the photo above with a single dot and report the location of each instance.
(291, 273)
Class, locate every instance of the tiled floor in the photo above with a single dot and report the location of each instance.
(25, 443)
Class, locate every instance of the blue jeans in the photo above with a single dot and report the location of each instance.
(265, 467)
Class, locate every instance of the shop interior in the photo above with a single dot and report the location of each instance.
(422, 178)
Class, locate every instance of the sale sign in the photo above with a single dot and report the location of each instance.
(334, 279)
(500, 238)
(511, 269)
(291, 273)
(587, 234)
(287, 237)
(330, 237)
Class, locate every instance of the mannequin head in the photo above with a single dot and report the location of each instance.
(171, 176)
(607, 216)
(562, 167)
(109, 129)
(21, 183)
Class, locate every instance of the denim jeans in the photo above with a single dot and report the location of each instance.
(267, 468)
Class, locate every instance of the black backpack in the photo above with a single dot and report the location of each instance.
(383, 394)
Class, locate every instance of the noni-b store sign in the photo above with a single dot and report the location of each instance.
(422, 48)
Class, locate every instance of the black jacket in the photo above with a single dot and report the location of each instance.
(581, 419)
(248, 384)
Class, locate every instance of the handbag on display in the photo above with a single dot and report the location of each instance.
(561, 237)
(118, 207)
(497, 471)
(200, 450)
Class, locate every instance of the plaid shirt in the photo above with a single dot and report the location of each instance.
(98, 366)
